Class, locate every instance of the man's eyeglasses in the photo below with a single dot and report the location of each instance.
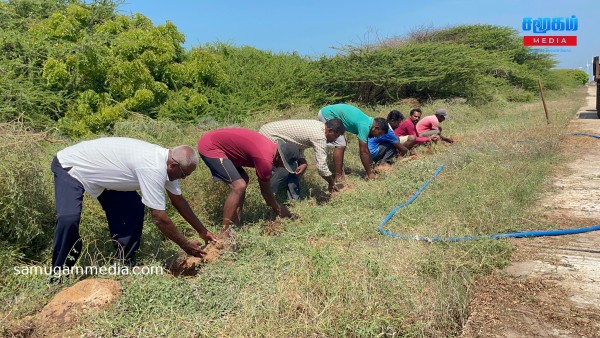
(183, 174)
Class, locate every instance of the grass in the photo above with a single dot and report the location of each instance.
(329, 273)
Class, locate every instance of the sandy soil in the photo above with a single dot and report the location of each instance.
(552, 286)
(57, 317)
(185, 265)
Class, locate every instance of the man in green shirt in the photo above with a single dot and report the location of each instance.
(358, 123)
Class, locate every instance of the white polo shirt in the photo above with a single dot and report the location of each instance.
(123, 164)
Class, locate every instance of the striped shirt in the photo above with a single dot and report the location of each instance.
(304, 134)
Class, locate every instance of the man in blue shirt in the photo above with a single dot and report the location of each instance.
(386, 147)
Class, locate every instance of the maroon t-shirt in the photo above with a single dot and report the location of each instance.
(243, 147)
(407, 127)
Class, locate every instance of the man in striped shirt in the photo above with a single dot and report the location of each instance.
(304, 134)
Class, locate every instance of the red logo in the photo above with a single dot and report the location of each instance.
(547, 41)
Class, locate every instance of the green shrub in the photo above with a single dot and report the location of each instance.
(26, 203)
(259, 80)
(55, 73)
(51, 52)
(424, 71)
(184, 105)
(557, 79)
(464, 61)
(568, 77)
(142, 100)
(95, 113)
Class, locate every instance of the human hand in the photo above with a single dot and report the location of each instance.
(333, 188)
(301, 168)
(193, 248)
(208, 237)
(371, 176)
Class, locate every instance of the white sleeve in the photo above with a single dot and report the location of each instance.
(173, 187)
(152, 185)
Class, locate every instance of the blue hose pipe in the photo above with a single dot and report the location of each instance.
(469, 238)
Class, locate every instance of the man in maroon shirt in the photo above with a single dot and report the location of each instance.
(394, 119)
(225, 151)
(408, 128)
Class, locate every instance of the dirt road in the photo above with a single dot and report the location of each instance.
(552, 286)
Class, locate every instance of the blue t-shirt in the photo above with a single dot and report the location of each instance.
(374, 142)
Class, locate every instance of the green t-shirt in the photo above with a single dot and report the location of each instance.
(354, 120)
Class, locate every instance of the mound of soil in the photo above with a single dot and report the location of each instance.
(89, 294)
(186, 265)
(411, 157)
(56, 318)
(346, 186)
(324, 196)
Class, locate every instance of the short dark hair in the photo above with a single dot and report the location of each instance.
(382, 124)
(412, 111)
(395, 115)
(336, 126)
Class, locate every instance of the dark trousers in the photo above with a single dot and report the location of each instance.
(124, 212)
(386, 153)
(281, 177)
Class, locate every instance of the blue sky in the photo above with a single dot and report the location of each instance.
(312, 27)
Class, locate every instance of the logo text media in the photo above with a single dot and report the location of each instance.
(541, 26)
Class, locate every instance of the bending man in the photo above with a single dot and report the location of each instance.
(303, 134)
(358, 123)
(385, 148)
(226, 151)
(111, 170)
(430, 125)
(408, 128)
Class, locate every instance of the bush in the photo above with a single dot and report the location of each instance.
(557, 79)
(53, 52)
(571, 77)
(465, 61)
(580, 76)
(261, 80)
(424, 71)
(185, 105)
(26, 203)
(93, 113)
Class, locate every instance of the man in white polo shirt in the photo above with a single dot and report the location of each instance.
(112, 169)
